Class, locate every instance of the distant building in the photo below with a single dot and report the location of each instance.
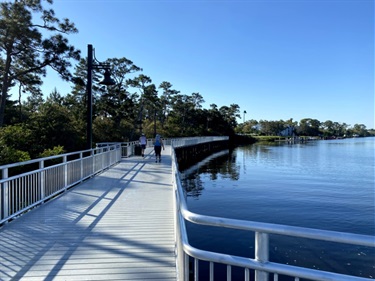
(257, 127)
(287, 132)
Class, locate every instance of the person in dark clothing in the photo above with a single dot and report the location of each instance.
(158, 144)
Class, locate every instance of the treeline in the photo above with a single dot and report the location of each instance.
(305, 127)
(38, 128)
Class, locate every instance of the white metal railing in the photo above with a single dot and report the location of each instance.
(181, 142)
(25, 185)
(129, 148)
(260, 267)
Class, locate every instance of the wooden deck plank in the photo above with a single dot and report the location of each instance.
(115, 226)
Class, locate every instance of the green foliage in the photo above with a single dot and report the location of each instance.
(52, 126)
(106, 130)
(16, 137)
(10, 155)
(14, 144)
(51, 152)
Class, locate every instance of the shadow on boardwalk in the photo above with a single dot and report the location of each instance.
(115, 226)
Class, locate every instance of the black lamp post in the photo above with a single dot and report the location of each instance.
(106, 81)
(154, 121)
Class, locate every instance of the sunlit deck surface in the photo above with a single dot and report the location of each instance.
(116, 226)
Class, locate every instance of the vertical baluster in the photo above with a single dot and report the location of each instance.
(32, 182)
(17, 194)
(211, 271)
(31, 188)
(27, 191)
(196, 269)
(65, 172)
(10, 199)
(47, 183)
(36, 184)
(56, 175)
(37, 187)
(275, 277)
(20, 187)
(229, 273)
(247, 274)
(81, 164)
(53, 180)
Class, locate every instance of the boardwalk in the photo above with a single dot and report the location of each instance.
(115, 226)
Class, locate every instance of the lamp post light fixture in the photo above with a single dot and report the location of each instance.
(244, 112)
(94, 64)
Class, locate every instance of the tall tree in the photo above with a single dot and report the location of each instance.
(142, 83)
(197, 100)
(230, 114)
(24, 53)
(166, 100)
(116, 102)
(360, 130)
(309, 127)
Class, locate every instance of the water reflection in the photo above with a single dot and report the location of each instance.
(221, 165)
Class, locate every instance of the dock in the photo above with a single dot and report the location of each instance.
(118, 225)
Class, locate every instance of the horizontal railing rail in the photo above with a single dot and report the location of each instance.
(128, 148)
(181, 142)
(261, 265)
(24, 185)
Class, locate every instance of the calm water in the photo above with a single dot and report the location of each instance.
(319, 184)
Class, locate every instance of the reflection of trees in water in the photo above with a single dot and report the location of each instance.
(223, 166)
(193, 185)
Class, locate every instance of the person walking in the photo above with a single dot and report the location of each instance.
(158, 144)
(143, 143)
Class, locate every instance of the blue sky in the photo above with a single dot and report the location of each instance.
(276, 59)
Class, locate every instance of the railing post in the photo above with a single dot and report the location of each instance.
(42, 181)
(261, 254)
(186, 267)
(5, 194)
(120, 153)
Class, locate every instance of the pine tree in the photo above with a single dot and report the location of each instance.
(24, 53)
